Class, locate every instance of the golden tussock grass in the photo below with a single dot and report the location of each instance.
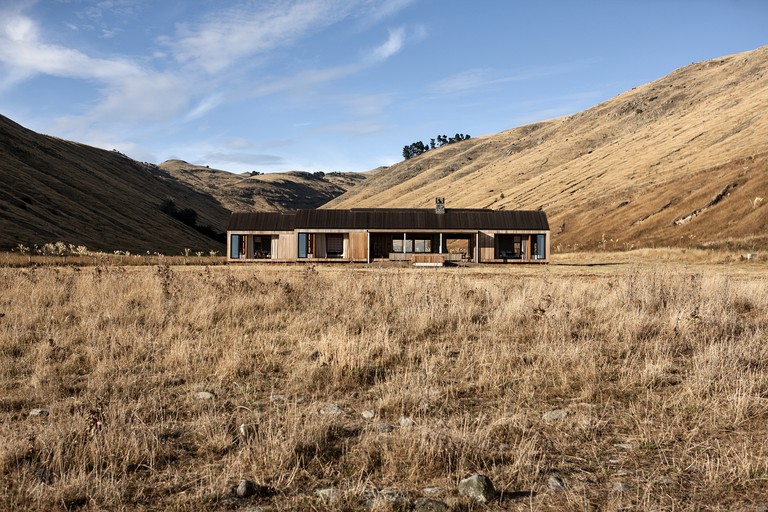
(661, 371)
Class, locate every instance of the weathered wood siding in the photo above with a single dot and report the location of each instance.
(287, 247)
(487, 247)
(358, 246)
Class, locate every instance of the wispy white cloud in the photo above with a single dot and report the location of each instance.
(180, 79)
(473, 79)
(231, 35)
(391, 46)
(377, 10)
(145, 97)
(310, 79)
(206, 105)
(22, 48)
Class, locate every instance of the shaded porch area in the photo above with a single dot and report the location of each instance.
(423, 246)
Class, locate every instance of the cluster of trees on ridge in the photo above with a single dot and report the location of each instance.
(418, 147)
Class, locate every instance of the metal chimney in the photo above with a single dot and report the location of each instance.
(439, 205)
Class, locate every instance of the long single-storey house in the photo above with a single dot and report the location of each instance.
(426, 236)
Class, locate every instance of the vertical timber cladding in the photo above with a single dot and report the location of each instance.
(288, 246)
(358, 245)
(487, 247)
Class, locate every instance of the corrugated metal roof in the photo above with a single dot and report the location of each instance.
(390, 218)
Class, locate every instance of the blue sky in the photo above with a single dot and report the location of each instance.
(336, 85)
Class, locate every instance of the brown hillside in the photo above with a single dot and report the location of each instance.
(276, 191)
(679, 161)
(52, 189)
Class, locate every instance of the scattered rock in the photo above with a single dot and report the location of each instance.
(667, 481)
(393, 496)
(405, 421)
(332, 409)
(432, 491)
(40, 411)
(368, 415)
(384, 427)
(477, 487)
(555, 415)
(623, 446)
(354, 395)
(430, 505)
(277, 398)
(245, 489)
(328, 495)
(204, 395)
(555, 483)
(620, 487)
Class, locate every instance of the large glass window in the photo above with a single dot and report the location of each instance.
(234, 247)
(422, 246)
(540, 246)
(411, 245)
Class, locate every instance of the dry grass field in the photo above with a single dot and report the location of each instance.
(637, 384)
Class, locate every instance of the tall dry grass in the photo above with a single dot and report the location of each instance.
(662, 374)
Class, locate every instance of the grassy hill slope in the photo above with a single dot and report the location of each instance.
(52, 189)
(275, 191)
(679, 161)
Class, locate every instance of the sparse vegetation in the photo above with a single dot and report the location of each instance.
(418, 147)
(659, 377)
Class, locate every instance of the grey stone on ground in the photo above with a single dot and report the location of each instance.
(555, 415)
(39, 411)
(328, 495)
(277, 398)
(623, 446)
(432, 490)
(667, 481)
(384, 428)
(620, 487)
(368, 415)
(332, 409)
(405, 421)
(477, 487)
(555, 483)
(430, 505)
(245, 489)
(393, 496)
(204, 395)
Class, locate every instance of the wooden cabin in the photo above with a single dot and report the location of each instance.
(365, 235)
